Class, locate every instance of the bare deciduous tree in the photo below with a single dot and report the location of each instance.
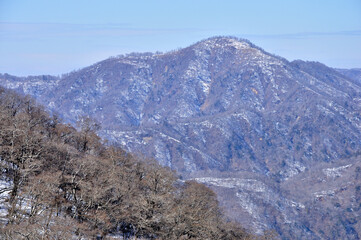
(64, 183)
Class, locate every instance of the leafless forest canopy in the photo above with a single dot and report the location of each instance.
(63, 183)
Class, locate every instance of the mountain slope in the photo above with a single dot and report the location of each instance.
(354, 73)
(220, 109)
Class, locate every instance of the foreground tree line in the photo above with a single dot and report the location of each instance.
(60, 183)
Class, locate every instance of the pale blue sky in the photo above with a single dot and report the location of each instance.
(58, 36)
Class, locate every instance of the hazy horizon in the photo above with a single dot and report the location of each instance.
(46, 37)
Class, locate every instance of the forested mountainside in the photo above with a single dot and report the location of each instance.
(59, 183)
(354, 73)
(226, 113)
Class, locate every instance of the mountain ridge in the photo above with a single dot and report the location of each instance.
(222, 106)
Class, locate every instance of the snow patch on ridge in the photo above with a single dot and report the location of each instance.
(336, 171)
(246, 184)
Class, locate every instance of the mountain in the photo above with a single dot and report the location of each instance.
(279, 141)
(354, 73)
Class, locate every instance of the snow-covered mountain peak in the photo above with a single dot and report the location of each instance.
(224, 42)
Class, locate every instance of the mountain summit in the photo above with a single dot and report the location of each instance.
(233, 116)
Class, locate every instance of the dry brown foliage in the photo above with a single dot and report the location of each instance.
(66, 183)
